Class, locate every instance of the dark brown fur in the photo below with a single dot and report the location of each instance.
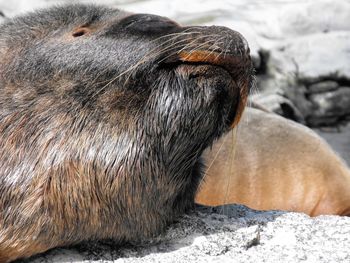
(103, 120)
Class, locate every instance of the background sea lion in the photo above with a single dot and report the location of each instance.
(275, 163)
(104, 115)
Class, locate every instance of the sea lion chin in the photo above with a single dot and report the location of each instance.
(104, 116)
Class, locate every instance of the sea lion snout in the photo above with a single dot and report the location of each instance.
(228, 42)
(215, 45)
(211, 47)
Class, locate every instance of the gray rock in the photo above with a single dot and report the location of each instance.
(263, 59)
(282, 95)
(329, 107)
(296, 93)
(332, 103)
(244, 235)
(2, 17)
(314, 56)
(319, 121)
(323, 86)
(280, 105)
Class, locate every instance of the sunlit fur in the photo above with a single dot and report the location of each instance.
(275, 163)
(102, 122)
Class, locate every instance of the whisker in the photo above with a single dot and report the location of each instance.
(192, 43)
(171, 39)
(197, 48)
(145, 59)
(215, 49)
(231, 167)
(153, 54)
(176, 35)
(165, 49)
(168, 48)
(214, 159)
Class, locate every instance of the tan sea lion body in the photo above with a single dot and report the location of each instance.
(278, 164)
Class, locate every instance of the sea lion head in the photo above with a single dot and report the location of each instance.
(132, 67)
(108, 111)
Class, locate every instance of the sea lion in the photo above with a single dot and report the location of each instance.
(275, 163)
(104, 116)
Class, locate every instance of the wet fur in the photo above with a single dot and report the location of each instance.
(98, 139)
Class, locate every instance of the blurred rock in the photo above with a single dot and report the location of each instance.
(297, 93)
(311, 53)
(330, 106)
(261, 68)
(280, 105)
(315, 55)
(323, 86)
(2, 16)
